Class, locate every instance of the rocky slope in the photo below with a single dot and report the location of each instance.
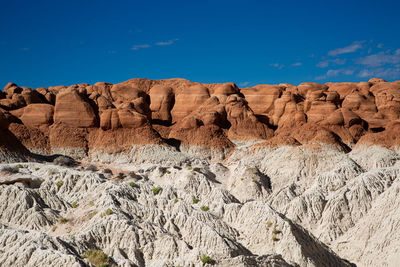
(178, 173)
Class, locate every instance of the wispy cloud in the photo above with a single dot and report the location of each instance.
(25, 49)
(243, 84)
(347, 49)
(326, 63)
(170, 42)
(277, 65)
(142, 46)
(335, 73)
(297, 64)
(386, 73)
(380, 59)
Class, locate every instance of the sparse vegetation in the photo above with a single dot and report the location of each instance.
(269, 224)
(168, 171)
(255, 172)
(63, 220)
(233, 185)
(254, 180)
(92, 168)
(91, 203)
(74, 204)
(59, 184)
(93, 214)
(52, 171)
(132, 184)
(274, 238)
(195, 200)
(204, 208)
(64, 161)
(156, 190)
(36, 169)
(176, 200)
(19, 166)
(276, 231)
(107, 212)
(97, 257)
(9, 169)
(206, 259)
(189, 168)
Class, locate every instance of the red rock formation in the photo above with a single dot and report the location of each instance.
(141, 111)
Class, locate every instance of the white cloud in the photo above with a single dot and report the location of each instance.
(326, 63)
(137, 47)
(170, 42)
(385, 73)
(380, 59)
(335, 73)
(277, 65)
(297, 64)
(244, 84)
(347, 49)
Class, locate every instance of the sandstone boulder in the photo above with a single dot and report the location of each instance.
(36, 115)
(73, 110)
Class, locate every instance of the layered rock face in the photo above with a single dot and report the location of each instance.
(190, 174)
(208, 116)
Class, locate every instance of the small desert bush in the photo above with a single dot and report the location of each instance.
(52, 171)
(74, 204)
(274, 238)
(168, 172)
(36, 169)
(64, 161)
(107, 212)
(132, 184)
(59, 184)
(92, 168)
(195, 200)
(97, 257)
(206, 259)
(189, 168)
(19, 166)
(10, 170)
(63, 220)
(156, 190)
(204, 208)
(91, 203)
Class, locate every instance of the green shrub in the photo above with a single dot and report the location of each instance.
(74, 204)
(36, 169)
(206, 259)
(156, 190)
(108, 211)
(19, 166)
(59, 184)
(132, 184)
(63, 220)
(195, 200)
(91, 203)
(204, 208)
(52, 171)
(64, 161)
(274, 238)
(268, 223)
(176, 200)
(168, 171)
(189, 168)
(97, 257)
(276, 231)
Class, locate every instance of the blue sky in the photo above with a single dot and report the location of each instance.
(44, 43)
